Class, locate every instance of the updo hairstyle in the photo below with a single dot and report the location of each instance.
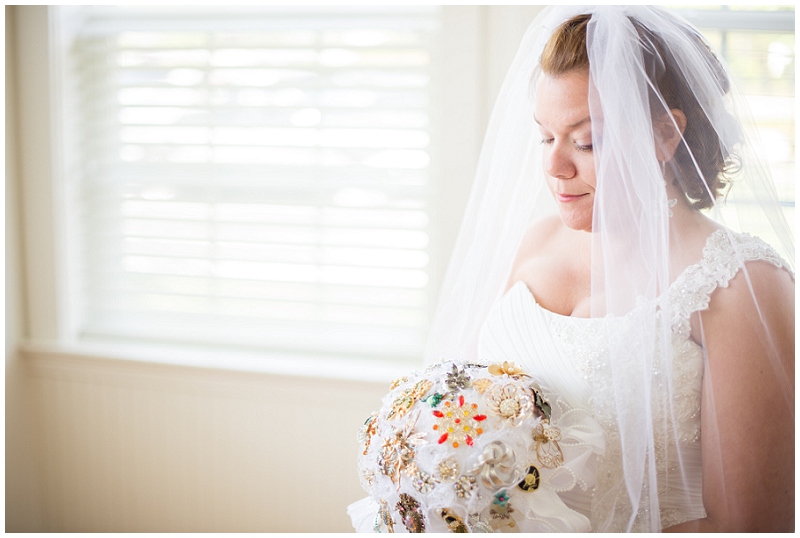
(702, 181)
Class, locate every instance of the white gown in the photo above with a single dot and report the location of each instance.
(567, 355)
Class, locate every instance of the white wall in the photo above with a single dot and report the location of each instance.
(96, 443)
(23, 493)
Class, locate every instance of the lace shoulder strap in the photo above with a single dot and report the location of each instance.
(723, 256)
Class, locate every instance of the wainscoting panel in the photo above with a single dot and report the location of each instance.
(137, 447)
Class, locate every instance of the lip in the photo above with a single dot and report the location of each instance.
(566, 198)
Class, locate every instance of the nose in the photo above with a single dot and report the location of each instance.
(558, 163)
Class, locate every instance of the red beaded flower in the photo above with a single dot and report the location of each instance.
(458, 422)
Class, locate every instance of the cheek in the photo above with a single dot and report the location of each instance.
(545, 155)
(588, 172)
(548, 179)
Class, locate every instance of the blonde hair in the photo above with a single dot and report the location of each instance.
(565, 51)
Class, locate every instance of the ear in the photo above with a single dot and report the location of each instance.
(667, 136)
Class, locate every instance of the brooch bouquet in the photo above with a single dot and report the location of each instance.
(463, 447)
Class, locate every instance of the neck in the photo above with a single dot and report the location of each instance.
(688, 231)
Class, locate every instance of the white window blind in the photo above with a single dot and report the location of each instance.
(255, 177)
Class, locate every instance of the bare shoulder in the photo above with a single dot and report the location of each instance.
(538, 236)
(760, 286)
(755, 309)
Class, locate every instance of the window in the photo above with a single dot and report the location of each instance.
(257, 178)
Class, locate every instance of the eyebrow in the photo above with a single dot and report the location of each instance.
(571, 125)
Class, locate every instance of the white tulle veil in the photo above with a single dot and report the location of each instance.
(632, 249)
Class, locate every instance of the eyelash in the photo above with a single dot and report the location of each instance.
(579, 147)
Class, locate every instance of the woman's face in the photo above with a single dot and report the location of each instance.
(562, 112)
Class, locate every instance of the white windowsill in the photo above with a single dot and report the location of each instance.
(274, 363)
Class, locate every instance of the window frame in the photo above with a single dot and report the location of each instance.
(49, 190)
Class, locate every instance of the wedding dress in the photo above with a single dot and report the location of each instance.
(566, 356)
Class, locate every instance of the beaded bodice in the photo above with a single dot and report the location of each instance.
(570, 356)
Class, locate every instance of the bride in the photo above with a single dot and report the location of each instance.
(636, 294)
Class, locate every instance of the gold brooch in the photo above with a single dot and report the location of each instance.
(508, 368)
(511, 403)
(411, 513)
(546, 438)
(406, 400)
